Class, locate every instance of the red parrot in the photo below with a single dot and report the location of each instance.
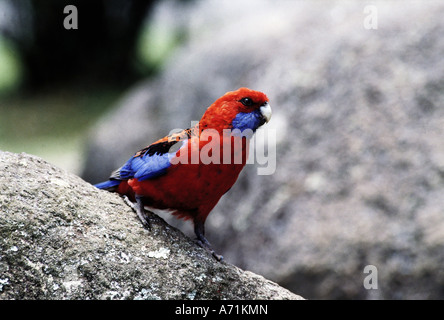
(188, 172)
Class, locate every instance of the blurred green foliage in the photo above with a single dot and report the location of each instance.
(10, 67)
(155, 44)
(54, 123)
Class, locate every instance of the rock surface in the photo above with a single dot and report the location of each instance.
(61, 238)
(359, 122)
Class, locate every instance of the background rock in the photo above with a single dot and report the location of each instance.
(359, 120)
(61, 238)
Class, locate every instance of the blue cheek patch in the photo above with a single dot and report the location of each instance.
(247, 121)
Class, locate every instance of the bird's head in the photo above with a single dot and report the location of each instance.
(241, 109)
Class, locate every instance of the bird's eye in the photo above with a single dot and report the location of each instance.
(246, 102)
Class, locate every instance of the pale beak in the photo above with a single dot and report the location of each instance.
(265, 110)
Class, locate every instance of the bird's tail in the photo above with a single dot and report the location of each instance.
(110, 185)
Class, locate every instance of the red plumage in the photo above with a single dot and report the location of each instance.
(191, 190)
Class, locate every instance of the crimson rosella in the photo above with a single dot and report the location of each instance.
(189, 171)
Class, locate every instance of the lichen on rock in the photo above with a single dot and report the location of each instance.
(62, 238)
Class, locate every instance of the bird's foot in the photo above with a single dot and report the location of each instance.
(199, 230)
(203, 243)
(141, 213)
(129, 203)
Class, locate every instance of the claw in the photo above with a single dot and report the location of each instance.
(128, 202)
(141, 213)
(203, 242)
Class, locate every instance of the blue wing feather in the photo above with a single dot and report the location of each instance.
(150, 166)
(110, 184)
(150, 162)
